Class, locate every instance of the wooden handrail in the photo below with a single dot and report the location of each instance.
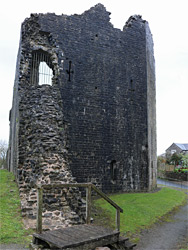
(64, 185)
(88, 187)
(104, 196)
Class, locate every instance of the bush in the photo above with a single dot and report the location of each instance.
(181, 170)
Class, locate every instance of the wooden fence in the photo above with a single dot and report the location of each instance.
(165, 167)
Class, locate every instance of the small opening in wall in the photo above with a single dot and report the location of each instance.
(132, 87)
(113, 170)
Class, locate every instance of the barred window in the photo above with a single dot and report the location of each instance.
(41, 68)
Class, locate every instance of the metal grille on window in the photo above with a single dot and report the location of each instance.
(41, 68)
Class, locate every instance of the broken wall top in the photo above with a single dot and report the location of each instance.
(89, 41)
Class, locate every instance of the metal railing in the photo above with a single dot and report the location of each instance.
(89, 187)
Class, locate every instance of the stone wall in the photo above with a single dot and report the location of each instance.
(176, 176)
(96, 123)
(42, 156)
(38, 143)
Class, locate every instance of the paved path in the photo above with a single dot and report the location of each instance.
(12, 247)
(182, 184)
(167, 235)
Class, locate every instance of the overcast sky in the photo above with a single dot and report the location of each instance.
(169, 25)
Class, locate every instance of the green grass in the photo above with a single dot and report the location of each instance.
(141, 210)
(11, 226)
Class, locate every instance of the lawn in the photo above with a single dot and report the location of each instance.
(11, 226)
(141, 210)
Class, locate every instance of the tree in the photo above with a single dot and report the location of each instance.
(3, 152)
(176, 159)
(185, 160)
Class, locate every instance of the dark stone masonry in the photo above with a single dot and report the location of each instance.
(94, 121)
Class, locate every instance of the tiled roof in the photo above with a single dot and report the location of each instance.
(182, 146)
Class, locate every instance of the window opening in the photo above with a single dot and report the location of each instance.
(45, 74)
(173, 151)
(113, 170)
(41, 68)
(132, 87)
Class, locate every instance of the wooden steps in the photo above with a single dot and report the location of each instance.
(82, 237)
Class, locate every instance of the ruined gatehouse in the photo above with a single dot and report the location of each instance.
(83, 108)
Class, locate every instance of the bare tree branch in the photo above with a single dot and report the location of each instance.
(3, 152)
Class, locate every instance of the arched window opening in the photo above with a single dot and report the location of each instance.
(41, 68)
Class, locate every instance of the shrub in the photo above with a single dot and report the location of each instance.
(181, 170)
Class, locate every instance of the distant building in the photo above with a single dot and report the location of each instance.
(177, 148)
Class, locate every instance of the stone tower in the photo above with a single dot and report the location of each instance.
(93, 119)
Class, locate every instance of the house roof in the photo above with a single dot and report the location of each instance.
(182, 146)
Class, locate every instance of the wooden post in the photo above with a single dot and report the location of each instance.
(118, 219)
(39, 209)
(88, 204)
